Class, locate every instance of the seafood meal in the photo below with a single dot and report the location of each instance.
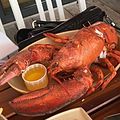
(69, 68)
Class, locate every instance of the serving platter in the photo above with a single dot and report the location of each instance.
(90, 103)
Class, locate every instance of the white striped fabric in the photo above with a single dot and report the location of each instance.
(82, 5)
(60, 9)
(40, 10)
(17, 13)
(2, 27)
(50, 10)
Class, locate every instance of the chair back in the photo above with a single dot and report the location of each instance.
(19, 18)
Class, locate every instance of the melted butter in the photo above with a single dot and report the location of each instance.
(35, 74)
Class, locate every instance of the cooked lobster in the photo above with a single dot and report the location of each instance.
(74, 59)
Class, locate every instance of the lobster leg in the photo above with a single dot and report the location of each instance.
(100, 79)
(53, 73)
(57, 38)
(115, 54)
(112, 70)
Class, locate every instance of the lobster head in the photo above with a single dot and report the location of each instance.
(106, 32)
(66, 60)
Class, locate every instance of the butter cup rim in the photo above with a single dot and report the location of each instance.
(30, 67)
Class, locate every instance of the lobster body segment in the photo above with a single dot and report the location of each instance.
(68, 65)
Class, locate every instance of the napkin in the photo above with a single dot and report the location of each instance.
(7, 47)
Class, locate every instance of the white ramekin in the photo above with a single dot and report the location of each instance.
(37, 84)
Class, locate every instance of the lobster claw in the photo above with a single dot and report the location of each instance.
(52, 98)
(13, 67)
(7, 74)
(57, 38)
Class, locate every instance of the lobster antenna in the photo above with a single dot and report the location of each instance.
(83, 25)
(89, 23)
(116, 68)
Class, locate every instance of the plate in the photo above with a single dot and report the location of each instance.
(72, 114)
(17, 83)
